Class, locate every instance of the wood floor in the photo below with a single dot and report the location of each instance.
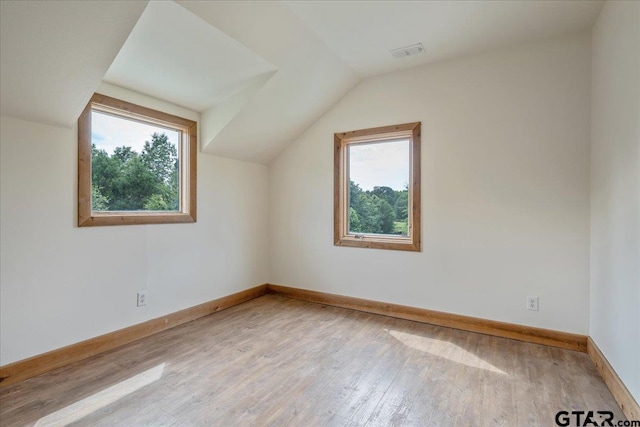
(277, 361)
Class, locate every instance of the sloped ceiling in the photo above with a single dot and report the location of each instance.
(173, 55)
(258, 72)
(363, 33)
(310, 79)
(54, 54)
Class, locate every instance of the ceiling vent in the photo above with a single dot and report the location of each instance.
(403, 52)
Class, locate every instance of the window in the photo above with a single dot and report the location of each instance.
(135, 165)
(377, 188)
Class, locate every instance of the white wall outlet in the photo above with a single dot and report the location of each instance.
(142, 298)
(532, 303)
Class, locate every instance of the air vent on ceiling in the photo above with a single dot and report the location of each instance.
(403, 52)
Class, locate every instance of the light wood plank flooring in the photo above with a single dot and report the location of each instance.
(277, 361)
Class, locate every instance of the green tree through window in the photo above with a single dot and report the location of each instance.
(377, 188)
(131, 181)
(378, 211)
(136, 165)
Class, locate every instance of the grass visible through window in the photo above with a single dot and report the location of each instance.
(379, 188)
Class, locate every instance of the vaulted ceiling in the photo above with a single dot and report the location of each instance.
(53, 55)
(259, 72)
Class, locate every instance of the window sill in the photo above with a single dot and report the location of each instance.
(134, 218)
(378, 242)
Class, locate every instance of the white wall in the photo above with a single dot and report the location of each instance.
(61, 284)
(615, 189)
(505, 189)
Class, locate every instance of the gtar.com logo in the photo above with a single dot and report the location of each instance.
(591, 418)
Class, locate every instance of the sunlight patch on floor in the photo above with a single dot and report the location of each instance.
(99, 400)
(444, 349)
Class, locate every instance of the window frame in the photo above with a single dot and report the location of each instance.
(187, 157)
(342, 140)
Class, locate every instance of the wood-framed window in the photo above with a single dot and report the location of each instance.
(377, 188)
(136, 165)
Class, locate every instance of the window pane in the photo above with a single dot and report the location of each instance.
(134, 165)
(379, 187)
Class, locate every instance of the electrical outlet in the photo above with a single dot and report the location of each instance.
(532, 303)
(142, 298)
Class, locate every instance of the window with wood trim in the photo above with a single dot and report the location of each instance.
(377, 188)
(135, 165)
